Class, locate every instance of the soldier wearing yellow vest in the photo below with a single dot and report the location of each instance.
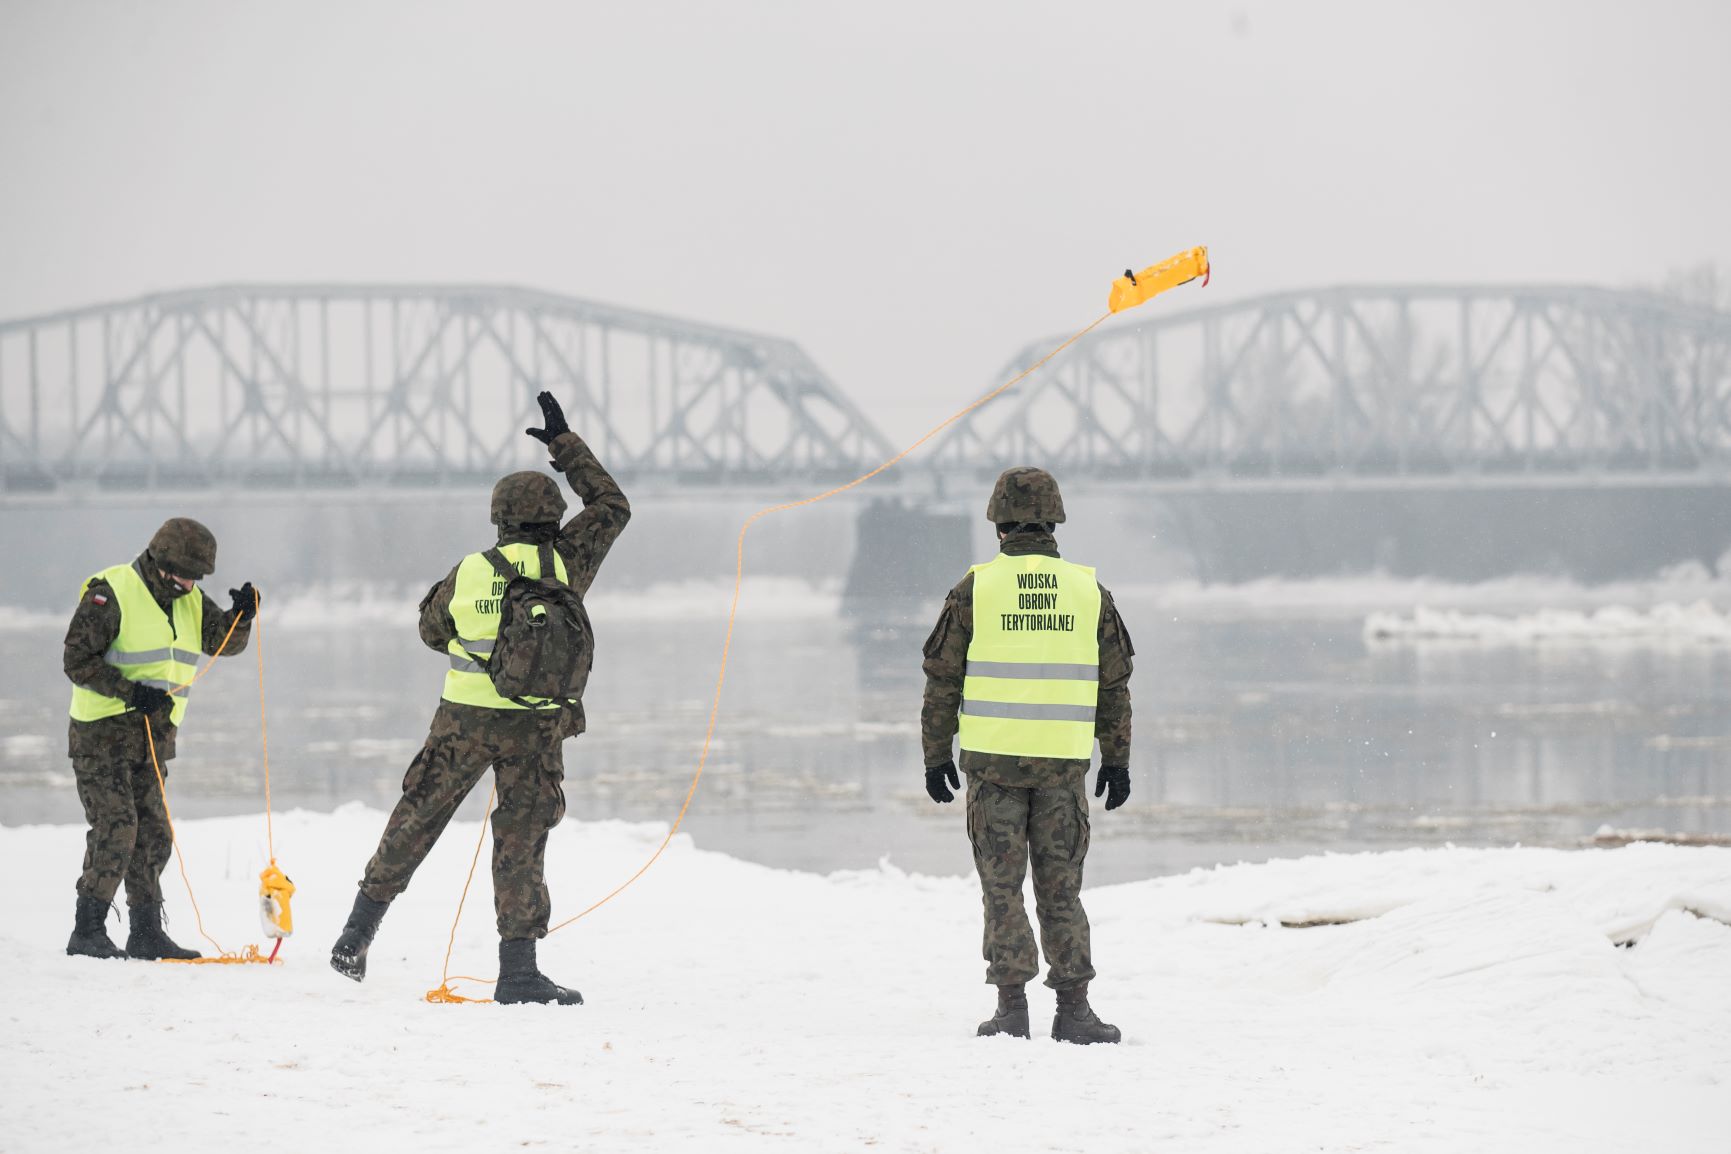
(134, 642)
(474, 727)
(1029, 665)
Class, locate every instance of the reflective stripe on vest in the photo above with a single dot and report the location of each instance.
(1033, 675)
(482, 646)
(475, 606)
(152, 647)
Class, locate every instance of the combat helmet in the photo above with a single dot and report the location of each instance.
(184, 547)
(1025, 495)
(527, 498)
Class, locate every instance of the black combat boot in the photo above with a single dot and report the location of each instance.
(89, 939)
(1011, 1016)
(147, 941)
(521, 981)
(349, 955)
(1076, 1021)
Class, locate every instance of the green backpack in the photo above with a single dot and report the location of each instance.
(546, 645)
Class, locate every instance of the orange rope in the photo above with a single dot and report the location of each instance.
(443, 994)
(248, 954)
(162, 785)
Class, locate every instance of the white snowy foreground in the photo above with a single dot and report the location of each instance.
(1480, 1005)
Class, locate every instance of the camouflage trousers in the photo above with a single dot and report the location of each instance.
(528, 765)
(129, 838)
(1007, 827)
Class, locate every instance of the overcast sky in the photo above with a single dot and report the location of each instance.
(912, 191)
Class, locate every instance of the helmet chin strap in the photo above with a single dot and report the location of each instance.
(175, 588)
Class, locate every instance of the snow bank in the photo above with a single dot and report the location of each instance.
(761, 598)
(1474, 1002)
(16, 620)
(1670, 623)
(1351, 595)
(346, 604)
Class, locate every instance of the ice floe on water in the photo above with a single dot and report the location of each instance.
(1666, 623)
(1352, 594)
(344, 604)
(761, 598)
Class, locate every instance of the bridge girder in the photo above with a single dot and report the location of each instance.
(410, 387)
(1375, 385)
(339, 386)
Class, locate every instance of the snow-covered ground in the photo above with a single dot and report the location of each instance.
(1476, 1001)
(1665, 623)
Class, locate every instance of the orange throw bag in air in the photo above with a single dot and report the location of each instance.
(1132, 289)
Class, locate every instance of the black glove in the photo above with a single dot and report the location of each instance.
(552, 416)
(935, 786)
(245, 606)
(1114, 782)
(149, 699)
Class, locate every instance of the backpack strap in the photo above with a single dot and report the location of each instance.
(549, 571)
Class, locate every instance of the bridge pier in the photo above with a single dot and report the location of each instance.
(906, 552)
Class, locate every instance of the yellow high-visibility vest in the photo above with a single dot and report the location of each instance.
(1033, 674)
(475, 608)
(154, 647)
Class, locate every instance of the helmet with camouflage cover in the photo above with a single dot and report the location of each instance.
(1025, 495)
(527, 498)
(184, 547)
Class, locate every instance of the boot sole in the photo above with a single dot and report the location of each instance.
(178, 956)
(1001, 1032)
(1057, 1037)
(509, 998)
(535, 1002)
(354, 973)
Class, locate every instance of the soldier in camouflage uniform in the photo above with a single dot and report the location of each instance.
(1022, 807)
(523, 746)
(129, 837)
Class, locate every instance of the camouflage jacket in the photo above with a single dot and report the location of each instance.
(946, 663)
(583, 542)
(95, 625)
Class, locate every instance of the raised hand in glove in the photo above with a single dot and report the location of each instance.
(245, 606)
(1114, 782)
(935, 787)
(149, 699)
(552, 416)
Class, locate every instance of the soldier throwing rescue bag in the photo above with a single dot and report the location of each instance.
(1030, 663)
(132, 646)
(511, 623)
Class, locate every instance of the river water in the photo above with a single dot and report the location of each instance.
(1260, 730)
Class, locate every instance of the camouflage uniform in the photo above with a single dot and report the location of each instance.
(129, 837)
(1022, 808)
(523, 747)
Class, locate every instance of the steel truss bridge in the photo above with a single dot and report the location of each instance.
(1380, 387)
(385, 386)
(389, 387)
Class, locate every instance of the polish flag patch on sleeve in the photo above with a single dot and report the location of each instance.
(99, 598)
